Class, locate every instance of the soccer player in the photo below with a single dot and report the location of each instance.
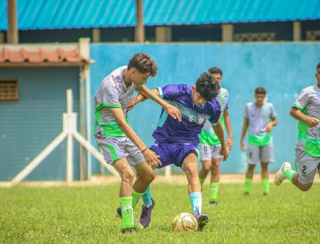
(176, 143)
(260, 117)
(209, 142)
(122, 148)
(306, 109)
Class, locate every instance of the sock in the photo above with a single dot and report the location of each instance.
(196, 202)
(202, 180)
(146, 197)
(247, 185)
(289, 173)
(127, 212)
(265, 186)
(135, 198)
(214, 187)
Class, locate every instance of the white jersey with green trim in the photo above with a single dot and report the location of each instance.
(207, 135)
(308, 102)
(258, 120)
(112, 93)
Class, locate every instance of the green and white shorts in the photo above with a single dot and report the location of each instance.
(209, 152)
(256, 154)
(115, 148)
(306, 166)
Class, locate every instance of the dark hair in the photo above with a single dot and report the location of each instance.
(207, 86)
(318, 66)
(260, 90)
(215, 70)
(144, 64)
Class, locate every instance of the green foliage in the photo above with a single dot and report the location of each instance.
(88, 215)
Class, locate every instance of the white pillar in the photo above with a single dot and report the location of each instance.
(297, 31)
(227, 33)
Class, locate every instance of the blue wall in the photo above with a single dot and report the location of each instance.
(282, 68)
(28, 125)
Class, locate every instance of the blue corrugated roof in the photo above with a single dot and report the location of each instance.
(61, 14)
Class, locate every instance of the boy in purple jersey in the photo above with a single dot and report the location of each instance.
(176, 142)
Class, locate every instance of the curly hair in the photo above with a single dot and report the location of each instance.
(207, 86)
(144, 64)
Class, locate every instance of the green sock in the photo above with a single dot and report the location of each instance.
(289, 173)
(127, 212)
(247, 185)
(214, 188)
(202, 180)
(265, 186)
(135, 198)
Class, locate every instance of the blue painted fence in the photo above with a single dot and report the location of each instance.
(282, 68)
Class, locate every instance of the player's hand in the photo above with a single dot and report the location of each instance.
(242, 146)
(229, 143)
(173, 112)
(312, 122)
(269, 127)
(224, 152)
(131, 103)
(152, 158)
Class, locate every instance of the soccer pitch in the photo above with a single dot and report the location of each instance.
(88, 215)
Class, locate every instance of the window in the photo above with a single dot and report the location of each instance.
(313, 35)
(9, 90)
(254, 37)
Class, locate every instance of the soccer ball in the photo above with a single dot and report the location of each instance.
(184, 222)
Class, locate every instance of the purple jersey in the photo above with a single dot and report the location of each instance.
(170, 130)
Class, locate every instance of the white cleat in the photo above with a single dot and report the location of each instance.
(279, 177)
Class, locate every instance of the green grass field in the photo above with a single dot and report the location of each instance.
(87, 215)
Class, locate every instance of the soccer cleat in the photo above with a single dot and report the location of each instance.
(129, 230)
(202, 219)
(265, 194)
(279, 177)
(119, 214)
(145, 216)
(213, 202)
(246, 193)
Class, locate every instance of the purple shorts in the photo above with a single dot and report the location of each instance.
(173, 153)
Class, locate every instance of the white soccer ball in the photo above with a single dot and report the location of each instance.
(184, 222)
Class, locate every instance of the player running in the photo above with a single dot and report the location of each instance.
(122, 148)
(176, 143)
(306, 109)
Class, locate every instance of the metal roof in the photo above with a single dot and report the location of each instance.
(63, 14)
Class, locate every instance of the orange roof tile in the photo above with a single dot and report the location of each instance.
(56, 56)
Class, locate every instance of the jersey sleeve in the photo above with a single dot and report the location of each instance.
(110, 96)
(246, 113)
(215, 114)
(302, 100)
(273, 112)
(170, 92)
(227, 100)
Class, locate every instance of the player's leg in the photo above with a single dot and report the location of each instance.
(115, 156)
(214, 182)
(215, 174)
(265, 178)
(304, 174)
(206, 156)
(190, 167)
(127, 175)
(252, 160)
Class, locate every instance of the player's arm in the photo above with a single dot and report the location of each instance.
(271, 124)
(224, 151)
(298, 115)
(155, 96)
(243, 133)
(150, 156)
(228, 127)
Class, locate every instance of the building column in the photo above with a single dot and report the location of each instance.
(163, 34)
(12, 32)
(2, 37)
(227, 33)
(296, 31)
(85, 109)
(96, 37)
